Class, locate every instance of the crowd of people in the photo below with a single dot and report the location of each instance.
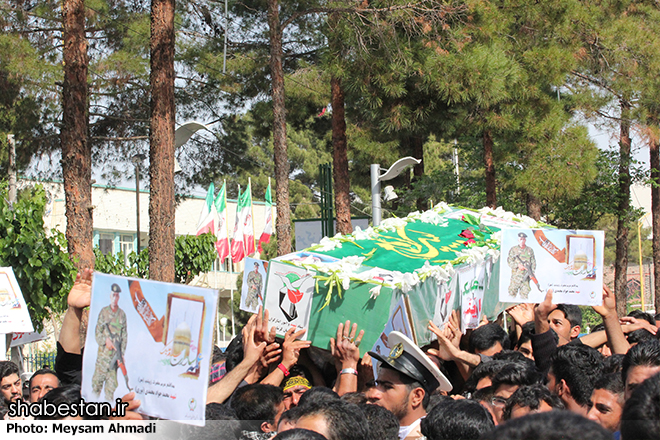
(534, 375)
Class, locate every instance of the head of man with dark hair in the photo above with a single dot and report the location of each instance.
(258, 406)
(639, 335)
(508, 380)
(643, 315)
(335, 419)
(550, 425)
(299, 434)
(41, 382)
(219, 418)
(566, 321)
(482, 376)
(234, 352)
(382, 424)
(297, 383)
(530, 399)
(641, 414)
(488, 340)
(607, 402)
(68, 394)
(641, 362)
(457, 419)
(406, 379)
(613, 364)
(10, 382)
(524, 343)
(574, 370)
(318, 394)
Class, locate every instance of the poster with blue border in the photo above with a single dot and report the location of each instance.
(153, 338)
(570, 262)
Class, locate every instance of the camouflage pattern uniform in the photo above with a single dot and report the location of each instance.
(255, 284)
(106, 369)
(519, 278)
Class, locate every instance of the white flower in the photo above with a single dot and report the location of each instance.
(441, 274)
(441, 208)
(367, 234)
(391, 224)
(345, 282)
(405, 281)
(528, 221)
(474, 255)
(327, 244)
(494, 253)
(433, 217)
(375, 291)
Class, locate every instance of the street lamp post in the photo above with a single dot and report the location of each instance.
(393, 171)
(223, 323)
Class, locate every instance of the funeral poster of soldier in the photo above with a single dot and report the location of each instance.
(154, 339)
(569, 262)
(14, 315)
(254, 285)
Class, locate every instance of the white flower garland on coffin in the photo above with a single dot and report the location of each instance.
(339, 274)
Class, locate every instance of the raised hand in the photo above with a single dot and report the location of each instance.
(345, 348)
(80, 294)
(291, 347)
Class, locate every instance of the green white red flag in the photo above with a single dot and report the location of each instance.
(237, 244)
(222, 231)
(206, 222)
(268, 219)
(245, 204)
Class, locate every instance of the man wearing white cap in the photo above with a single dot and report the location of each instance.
(406, 379)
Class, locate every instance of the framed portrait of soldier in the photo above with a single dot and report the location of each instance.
(152, 338)
(254, 285)
(569, 262)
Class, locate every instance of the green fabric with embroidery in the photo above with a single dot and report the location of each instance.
(407, 248)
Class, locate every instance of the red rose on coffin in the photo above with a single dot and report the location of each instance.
(466, 233)
(470, 241)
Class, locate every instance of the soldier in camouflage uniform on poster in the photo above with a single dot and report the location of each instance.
(110, 329)
(520, 276)
(255, 284)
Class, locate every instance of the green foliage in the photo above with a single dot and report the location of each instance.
(194, 254)
(138, 264)
(589, 318)
(43, 269)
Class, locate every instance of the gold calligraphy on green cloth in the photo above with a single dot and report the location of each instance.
(408, 247)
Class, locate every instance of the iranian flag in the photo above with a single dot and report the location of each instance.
(222, 232)
(237, 244)
(206, 220)
(268, 219)
(245, 204)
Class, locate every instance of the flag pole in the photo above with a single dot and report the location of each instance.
(231, 265)
(254, 232)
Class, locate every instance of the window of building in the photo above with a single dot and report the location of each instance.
(126, 243)
(106, 244)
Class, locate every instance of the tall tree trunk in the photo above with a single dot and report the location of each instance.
(161, 140)
(533, 207)
(654, 151)
(280, 155)
(340, 159)
(76, 151)
(621, 263)
(417, 148)
(489, 164)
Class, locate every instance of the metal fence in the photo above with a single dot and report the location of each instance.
(37, 361)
